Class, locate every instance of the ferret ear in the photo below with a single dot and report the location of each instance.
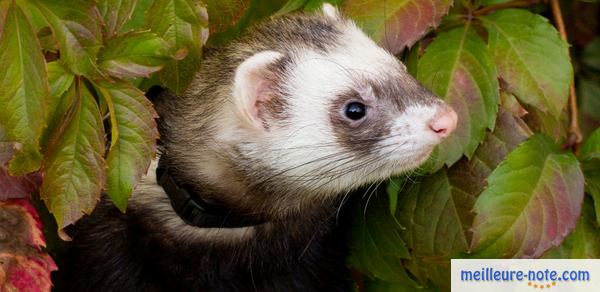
(252, 85)
(330, 11)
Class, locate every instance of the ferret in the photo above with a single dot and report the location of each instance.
(254, 159)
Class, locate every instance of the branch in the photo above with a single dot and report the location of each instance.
(575, 135)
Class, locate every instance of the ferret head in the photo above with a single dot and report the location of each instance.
(315, 108)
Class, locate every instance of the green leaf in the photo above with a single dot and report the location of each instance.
(375, 243)
(490, 2)
(60, 80)
(583, 242)
(374, 285)
(591, 147)
(592, 187)
(291, 6)
(588, 93)
(412, 58)
(133, 138)
(456, 67)
(76, 26)
(183, 24)
(23, 89)
(399, 23)
(394, 187)
(136, 22)
(590, 156)
(60, 100)
(308, 5)
(74, 168)
(532, 202)
(134, 54)
(591, 54)
(522, 43)
(115, 13)
(434, 211)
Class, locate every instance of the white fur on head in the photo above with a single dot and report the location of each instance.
(330, 11)
(251, 86)
(304, 149)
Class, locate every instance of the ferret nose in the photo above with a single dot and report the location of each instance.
(443, 122)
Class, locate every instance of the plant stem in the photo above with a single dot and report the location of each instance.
(510, 4)
(575, 135)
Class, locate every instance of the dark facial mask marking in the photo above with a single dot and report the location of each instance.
(358, 136)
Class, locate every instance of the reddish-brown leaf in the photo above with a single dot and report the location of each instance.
(541, 188)
(396, 24)
(14, 186)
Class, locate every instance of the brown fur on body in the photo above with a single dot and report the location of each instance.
(138, 251)
(300, 247)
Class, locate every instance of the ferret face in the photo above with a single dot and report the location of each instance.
(328, 119)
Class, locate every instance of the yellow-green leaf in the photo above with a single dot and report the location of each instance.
(74, 168)
(23, 89)
(184, 25)
(531, 57)
(133, 133)
(76, 26)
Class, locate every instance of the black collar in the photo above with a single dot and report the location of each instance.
(196, 211)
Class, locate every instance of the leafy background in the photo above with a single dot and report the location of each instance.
(520, 178)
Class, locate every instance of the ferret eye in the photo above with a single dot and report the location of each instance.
(355, 111)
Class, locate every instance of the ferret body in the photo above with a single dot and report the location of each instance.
(277, 127)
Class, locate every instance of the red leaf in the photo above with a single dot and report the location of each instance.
(23, 265)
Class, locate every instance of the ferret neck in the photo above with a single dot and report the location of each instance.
(195, 210)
